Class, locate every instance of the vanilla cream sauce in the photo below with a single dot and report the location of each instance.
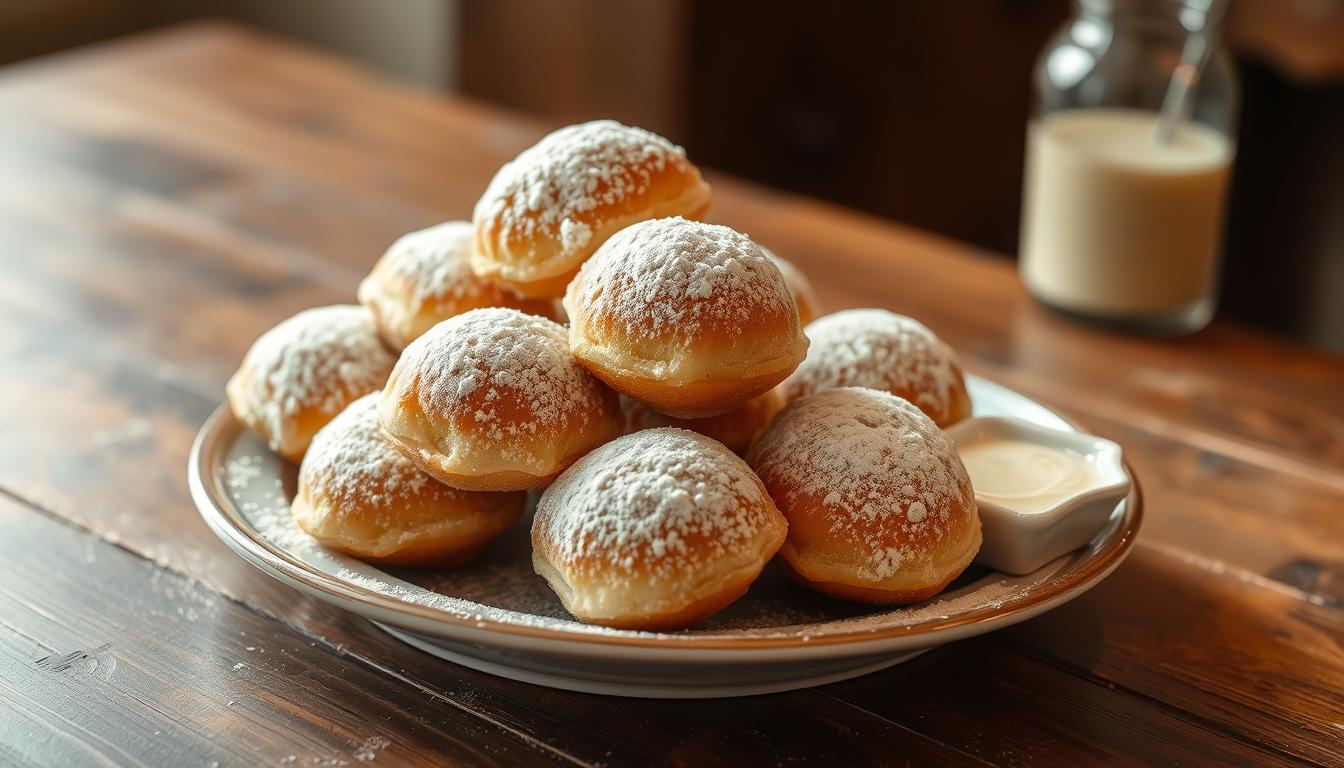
(1024, 476)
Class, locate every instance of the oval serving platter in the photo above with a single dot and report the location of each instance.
(497, 616)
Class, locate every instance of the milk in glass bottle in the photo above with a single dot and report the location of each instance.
(1128, 158)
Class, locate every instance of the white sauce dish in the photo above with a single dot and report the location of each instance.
(1041, 492)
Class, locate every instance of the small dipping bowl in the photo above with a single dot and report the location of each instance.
(1024, 532)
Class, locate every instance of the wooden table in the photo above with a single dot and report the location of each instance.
(166, 199)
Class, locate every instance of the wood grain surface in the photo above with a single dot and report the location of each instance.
(165, 199)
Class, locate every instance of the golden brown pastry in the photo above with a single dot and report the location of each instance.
(492, 400)
(358, 494)
(880, 508)
(304, 371)
(735, 429)
(548, 210)
(691, 319)
(801, 288)
(655, 530)
(882, 350)
(426, 277)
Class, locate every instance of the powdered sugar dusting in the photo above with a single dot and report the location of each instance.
(877, 349)
(992, 594)
(353, 464)
(659, 503)
(547, 190)
(320, 358)
(883, 471)
(243, 471)
(472, 365)
(259, 492)
(678, 278)
(387, 586)
(434, 263)
(574, 234)
(799, 285)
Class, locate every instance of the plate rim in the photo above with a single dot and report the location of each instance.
(650, 690)
(223, 520)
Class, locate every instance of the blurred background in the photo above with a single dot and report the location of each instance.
(915, 111)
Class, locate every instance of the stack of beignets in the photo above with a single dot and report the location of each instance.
(685, 350)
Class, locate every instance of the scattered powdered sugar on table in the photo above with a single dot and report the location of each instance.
(678, 278)
(369, 748)
(547, 190)
(470, 365)
(319, 358)
(434, 263)
(877, 349)
(661, 503)
(881, 468)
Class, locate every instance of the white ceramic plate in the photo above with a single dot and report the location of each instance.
(497, 616)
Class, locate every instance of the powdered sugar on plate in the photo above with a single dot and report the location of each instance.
(780, 610)
(257, 487)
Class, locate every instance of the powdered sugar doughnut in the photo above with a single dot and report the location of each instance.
(655, 530)
(549, 209)
(691, 319)
(735, 429)
(359, 494)
(878, 349)
(801, 288)
(880, 508)
(304, 371)
(426, 277)
(492, 400)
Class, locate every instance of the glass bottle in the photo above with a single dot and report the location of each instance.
(1119, 225)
